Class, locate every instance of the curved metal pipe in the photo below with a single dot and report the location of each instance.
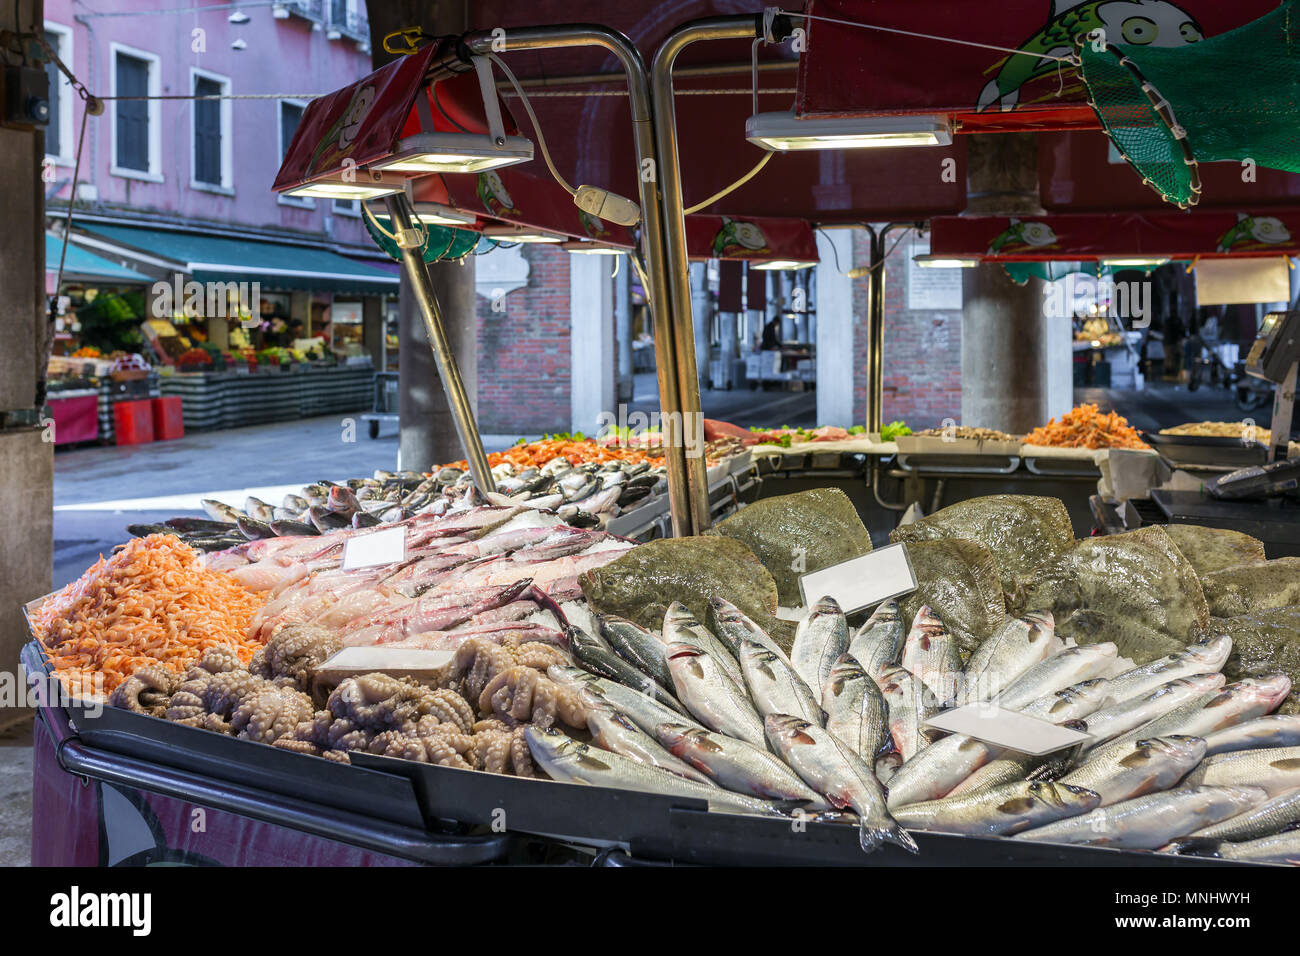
(667, 341)
(669, 175)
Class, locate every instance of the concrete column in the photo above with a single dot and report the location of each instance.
(702, 309)
(835, 321)
(1004, 351)
(428, 432)
(592, 361)
(727, 345)
(372, 329)
(623, 329)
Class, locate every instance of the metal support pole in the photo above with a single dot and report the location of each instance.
(462, 411)
(876, 322)
(670, 183)
(652, 233)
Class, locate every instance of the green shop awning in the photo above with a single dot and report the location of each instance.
(81, 265)
(276, 265)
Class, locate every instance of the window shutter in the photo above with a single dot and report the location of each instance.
(207, 132)
(53, 138)
(132, 115)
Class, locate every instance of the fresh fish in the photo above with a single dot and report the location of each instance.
(327, 520)
(1076, 702)
(283, 514)
(1275, 730)
(681, 626)
(595, 655)
(639, 647)
(220, 511)
(731, 625)
(773, 685)
(1133, 712)
(616, 732)
(1009, 768)
(839, 775)
(1149, 822)
(1280, 848)
(1059, 671)
(715, 699)
(1276, 769)
(142, 530)
(1207, 657)
(295, 503)
(188, 525)
(343, 500)
(364, 519)
(855, 709)
(819, 641)
(259, 509)
(905, 698)
(253, 528)
(1120, 771)
(1270, 816)
(645, 711)
(935, 771)
(878, 643)
(887, 765)
(569, 761)
(1011, 650)
(601, 501)
(294, 528)
(931, 654)
(1006, 809)
(1242, 701)
(736, 765)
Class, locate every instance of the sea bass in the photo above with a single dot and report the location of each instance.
(879, 642)
(905, 697)
(712, 696)
(931, 654)
(680, 625)
(617, 733)
(1270, 816)
(839, 775)
(731, 625)
(1151, 821)
(1133, 712)
(773, 685)
(1011, 650)
(1059, 671)
(1207, 657)
(645, 711)
(855, 709)
(1236, 703)
(570, 761)
(639, 647)
(1006, 809)
(1276, 769)
(819, 641)
(1275, 730)
(736, 765)
(1123, 770)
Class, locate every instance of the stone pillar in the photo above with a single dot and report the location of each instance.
(591, 342)
(835, 321)
(1004, 354)
(428, 432)
(626, 381)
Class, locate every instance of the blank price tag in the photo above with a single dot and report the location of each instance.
(1007, 728)
(374, 549)
(861, 582)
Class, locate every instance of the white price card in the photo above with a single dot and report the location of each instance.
(374, 549)
(863, 581)
(1007, 728)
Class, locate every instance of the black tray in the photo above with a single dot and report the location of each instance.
(1206, 450)
(220, 757)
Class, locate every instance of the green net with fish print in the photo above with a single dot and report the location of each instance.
(1233, 97)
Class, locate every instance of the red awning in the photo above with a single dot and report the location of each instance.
(1175, 235)
(750, 239)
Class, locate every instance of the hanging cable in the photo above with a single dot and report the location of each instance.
(727, 190)
(537, 127)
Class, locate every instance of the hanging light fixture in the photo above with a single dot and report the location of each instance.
(585, 247)
(435, 214)
(1135, 262)
(782, 132)
(520, 234)
(362, 184)
(435, 150)
(946, 262)
(782, 265)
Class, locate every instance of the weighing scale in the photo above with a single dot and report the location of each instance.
(1273, 358)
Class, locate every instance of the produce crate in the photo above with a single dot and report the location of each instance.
(168, 420)
(133, 422)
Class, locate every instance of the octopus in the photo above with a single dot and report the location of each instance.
(147, 691)
(291, 658)
(510, 682)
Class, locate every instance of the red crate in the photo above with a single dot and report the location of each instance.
(168, 422)
(133, 422)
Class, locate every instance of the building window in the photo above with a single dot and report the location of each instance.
(59, 141)
(347, 207)
(290, 116)
(211, 132)
(136, 122)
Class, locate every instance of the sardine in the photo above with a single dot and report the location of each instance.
(878, 643)
(1276, 769)
(569, 761)
(773, 685)
(639, 647)
(617, 732)
(1002, 810)
(1072, 665)
(838, 774)
(681, 626)
(931, 654)
(1132, 712)
(1011, 650)
(1207, 657)
(1270, 816)
(1275, 730)
(1149, 822)
(645, 711)
(855, 709)
(731, 625)
(1121, 771)
(736, 765)
(713, 697)
(819, 640)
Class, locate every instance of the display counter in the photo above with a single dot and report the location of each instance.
(231, 399)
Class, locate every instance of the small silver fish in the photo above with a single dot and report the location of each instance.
(1057, 672)
(1009, 651)
(681, 625)
(1274, 730)
(616, 732)
(1276, 769)
(931, 654)
(711, 696)
(773, 685)
(905, 696)
(1002, 810)
(736, 765)
(879, 642)
(1121, 771)
(1270, 816)
(855, 709)
(819, 640)
(1119, 718)
(731, 625)
(1204, 658)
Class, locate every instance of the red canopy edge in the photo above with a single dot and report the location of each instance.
(750, 238)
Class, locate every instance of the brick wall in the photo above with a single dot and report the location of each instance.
(922, 362)
(523, 352)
